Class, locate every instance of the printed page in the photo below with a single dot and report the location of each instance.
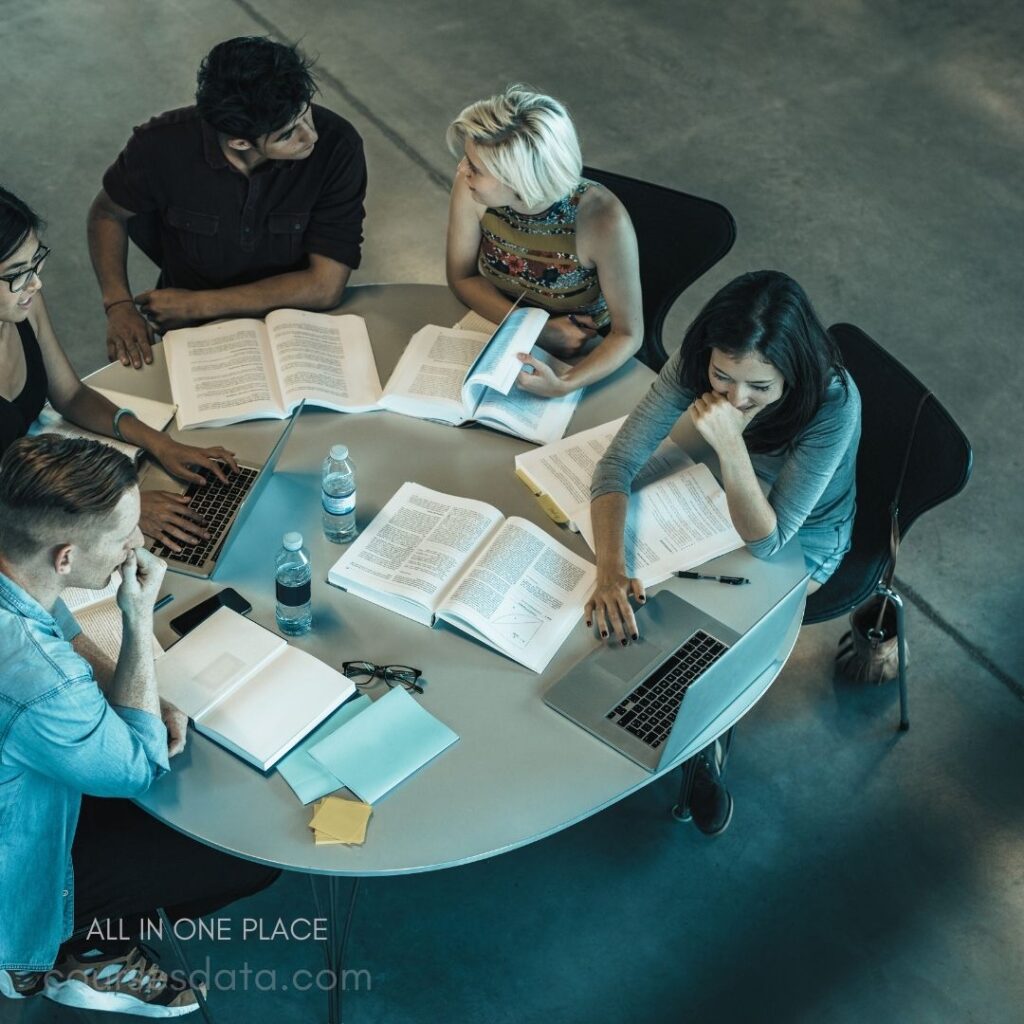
(77, 598)
(496, 366)
(427, 382)
(475, 322)
(103, 624)
(562, 472)
(523, 594)
(526, 415)
(673, 524)
(326, 360)
(221, 374)
(416, 545)
(203, 667)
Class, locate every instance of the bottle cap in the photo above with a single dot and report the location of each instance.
(339, 452)
(292, 541)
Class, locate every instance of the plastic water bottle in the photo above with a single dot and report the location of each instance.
(294, 612)
(338, 496)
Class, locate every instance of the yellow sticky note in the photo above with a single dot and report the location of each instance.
(343, 821)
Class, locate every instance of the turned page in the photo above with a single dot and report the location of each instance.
(497, 366)
(416, 545)
(428, 378)
(527, 415)
(221, 374)
(326, 360)
(522, 594)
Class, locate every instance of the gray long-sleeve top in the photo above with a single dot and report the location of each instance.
(812, 481)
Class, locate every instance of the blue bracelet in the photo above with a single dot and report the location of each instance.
(117, 420)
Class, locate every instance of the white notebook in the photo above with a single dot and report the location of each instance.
(247, 689)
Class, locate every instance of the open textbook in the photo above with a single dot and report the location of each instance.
(262, 369)
(99, 615)
(247, 689)
(460, 376)
(147, 410)
(505, 582)
(678, 515)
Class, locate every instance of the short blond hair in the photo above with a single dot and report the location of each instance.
(526, 140)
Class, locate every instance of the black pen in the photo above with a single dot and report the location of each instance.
(736, 581)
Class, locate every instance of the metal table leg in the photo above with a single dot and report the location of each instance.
(334, 950)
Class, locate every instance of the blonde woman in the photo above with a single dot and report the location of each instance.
(522, 218)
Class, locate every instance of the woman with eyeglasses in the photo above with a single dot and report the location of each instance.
(34, 368)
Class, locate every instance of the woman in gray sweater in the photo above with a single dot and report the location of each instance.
(764, 385)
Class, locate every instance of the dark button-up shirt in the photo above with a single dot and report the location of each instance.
(207, 225)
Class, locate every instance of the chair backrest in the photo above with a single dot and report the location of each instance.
(939, 467)
(680, 237)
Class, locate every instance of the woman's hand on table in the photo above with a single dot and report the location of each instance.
(609, 608)
(565, 336)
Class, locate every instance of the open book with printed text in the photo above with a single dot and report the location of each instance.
(505, 582)
(458, 376)
(677, 517)
(239, 370)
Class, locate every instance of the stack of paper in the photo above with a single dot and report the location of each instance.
(337, 820)
(369, 748)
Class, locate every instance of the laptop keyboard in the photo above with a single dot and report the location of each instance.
(650, 710)
(217, 504)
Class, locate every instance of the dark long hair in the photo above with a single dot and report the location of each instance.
(768, 314)
(17, 219)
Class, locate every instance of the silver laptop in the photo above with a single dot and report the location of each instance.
(224, 507)
(650, 700)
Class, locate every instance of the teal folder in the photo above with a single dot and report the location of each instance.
(308, 778)
(383, 745)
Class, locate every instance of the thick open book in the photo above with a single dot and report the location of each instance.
(262, 369)
(247, 689)
(100, 617)
(147, 410)
(677, 518)
(505, 582)
(458, 376)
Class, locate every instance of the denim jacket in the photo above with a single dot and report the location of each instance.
(59, 738)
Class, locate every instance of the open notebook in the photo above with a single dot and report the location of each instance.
(247, 689)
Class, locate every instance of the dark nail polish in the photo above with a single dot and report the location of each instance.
(625, 643)
(636, 636)
(589, 623)
(604, 635)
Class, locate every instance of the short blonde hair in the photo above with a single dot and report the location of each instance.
(526, 140)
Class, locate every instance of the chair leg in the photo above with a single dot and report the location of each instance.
(179, 952)
(901, 648)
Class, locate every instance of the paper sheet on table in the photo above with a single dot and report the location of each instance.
(338, 820)
(383, 745)
(309, 779)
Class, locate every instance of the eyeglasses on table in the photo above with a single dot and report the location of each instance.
(363, 673)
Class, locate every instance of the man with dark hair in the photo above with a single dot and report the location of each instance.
(79, 878)
(248, 201)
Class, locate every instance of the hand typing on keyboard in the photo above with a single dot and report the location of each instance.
(170, 519)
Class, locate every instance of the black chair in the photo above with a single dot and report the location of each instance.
(938, 467)
(680, 237)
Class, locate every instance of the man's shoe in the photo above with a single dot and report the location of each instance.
(710, 802)
(21, 984)
(121, 983)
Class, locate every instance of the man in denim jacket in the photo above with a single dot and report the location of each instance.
(69, 513)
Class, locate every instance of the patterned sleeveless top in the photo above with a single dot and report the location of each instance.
(537, 252)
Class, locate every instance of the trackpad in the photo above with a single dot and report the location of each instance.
(626, 662)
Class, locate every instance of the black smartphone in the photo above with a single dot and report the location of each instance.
(227, 598)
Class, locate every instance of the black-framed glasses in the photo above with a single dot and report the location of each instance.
(19, 281)
(363, 673)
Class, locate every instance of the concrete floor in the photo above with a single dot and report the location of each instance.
(873, 151)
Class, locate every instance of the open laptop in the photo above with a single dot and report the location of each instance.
(651, 699)
(224, 507)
